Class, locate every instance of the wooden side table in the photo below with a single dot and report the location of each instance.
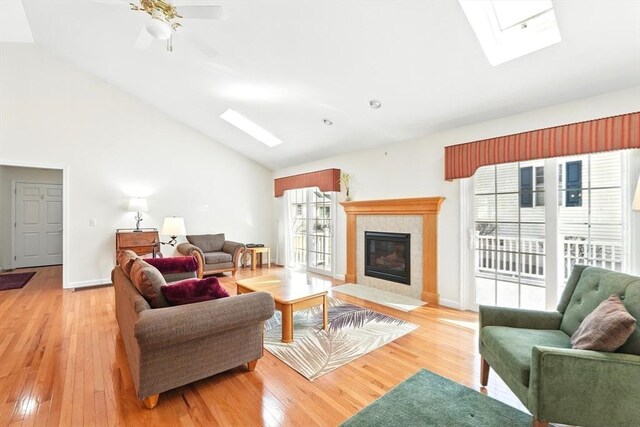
(255, 252)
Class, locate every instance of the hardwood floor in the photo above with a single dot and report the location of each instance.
(62, 362)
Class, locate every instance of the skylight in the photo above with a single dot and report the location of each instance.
(14, 25)
(510, 29)
(250, 128)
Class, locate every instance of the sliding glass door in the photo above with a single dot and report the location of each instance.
(534, 220)
(312, 216)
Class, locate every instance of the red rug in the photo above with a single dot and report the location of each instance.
(15, 280)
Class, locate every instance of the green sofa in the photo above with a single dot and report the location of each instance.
(531, 351)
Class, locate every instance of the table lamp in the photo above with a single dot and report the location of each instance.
(173, 227)
(138, 205)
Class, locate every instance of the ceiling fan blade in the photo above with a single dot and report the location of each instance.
(198, 42)
(144, 39)
(202, 12)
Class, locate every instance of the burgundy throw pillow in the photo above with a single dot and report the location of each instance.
(193, 290)
(606, 328)
(174, 264)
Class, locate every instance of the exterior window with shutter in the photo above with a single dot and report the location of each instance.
(574, 184)
(526, 187)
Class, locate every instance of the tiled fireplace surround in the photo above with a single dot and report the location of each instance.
(411, 224)
(419, 217)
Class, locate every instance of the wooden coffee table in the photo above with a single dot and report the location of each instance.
(291, 292)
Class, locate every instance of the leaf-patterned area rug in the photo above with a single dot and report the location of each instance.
(352, 331)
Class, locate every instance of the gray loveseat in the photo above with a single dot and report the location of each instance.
(173, 346)
(213, 253)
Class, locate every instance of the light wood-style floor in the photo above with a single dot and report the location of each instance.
(62, 362)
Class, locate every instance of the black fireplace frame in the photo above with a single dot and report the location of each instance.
(384, 273)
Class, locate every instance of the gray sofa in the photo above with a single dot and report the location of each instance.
(213, 253)
(173, 346)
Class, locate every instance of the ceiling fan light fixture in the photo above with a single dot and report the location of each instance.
(159, 29)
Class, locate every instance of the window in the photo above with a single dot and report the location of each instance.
(524, 251)
(509, 249)
(509, 29)
(531, 186)
(590, 225)
(311, 217)
(573, 195)
(539, 200)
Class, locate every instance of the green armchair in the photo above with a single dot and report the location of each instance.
(531, 351)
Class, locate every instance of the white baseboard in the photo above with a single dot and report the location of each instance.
(338, 276)
(450, 303)
(86, 283)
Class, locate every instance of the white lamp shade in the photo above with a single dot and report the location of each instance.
(636, 200)
(138, 204)
(173, 226)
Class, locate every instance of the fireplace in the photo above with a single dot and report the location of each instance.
(387, 256)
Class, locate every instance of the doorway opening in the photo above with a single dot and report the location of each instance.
(32, 204)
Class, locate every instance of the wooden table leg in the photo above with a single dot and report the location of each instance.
(253, 260)
(269, 257)
(287, 323)
(325, 312)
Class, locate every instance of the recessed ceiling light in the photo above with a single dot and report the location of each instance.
(375, 104)
(250, 128)
(511, 29)
(327, 122)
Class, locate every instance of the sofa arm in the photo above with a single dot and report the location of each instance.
(583, 387)
(232, 248)
(519, 318)
(163, 327)
(196, 252)
(188, 249)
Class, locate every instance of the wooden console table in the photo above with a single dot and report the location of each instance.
(141, 242)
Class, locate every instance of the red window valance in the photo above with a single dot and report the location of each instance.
(325, 180)
(593, 136)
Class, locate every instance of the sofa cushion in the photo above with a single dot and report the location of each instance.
(125, 261)
(217, 257)
(594, 286)
(207, 242)
(513, 346)
(148, 280)
(606, 328)
(194, 290)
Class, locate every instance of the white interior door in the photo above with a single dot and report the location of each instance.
(38, 225)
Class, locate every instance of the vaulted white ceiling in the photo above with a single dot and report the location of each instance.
(287, 65)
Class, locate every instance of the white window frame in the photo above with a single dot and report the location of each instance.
(630, 224)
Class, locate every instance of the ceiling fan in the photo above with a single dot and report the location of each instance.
(165, 21)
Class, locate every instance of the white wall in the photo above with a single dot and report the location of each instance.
(111, 146)
(8, 175)
(416, 169)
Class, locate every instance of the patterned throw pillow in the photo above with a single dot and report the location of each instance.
(125, 261)
(149, 281)
(194, 290)
(606, 328)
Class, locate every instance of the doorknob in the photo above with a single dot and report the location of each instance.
(60, 230)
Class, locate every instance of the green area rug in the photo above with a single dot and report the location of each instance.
(427, 399)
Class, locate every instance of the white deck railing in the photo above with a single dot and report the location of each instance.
(501, 255)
